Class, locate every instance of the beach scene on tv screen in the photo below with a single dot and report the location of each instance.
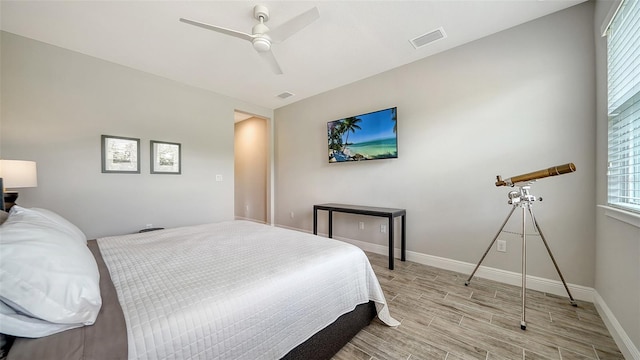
(364, 137)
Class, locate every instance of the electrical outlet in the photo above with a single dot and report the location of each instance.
(361, 225)
(292, 214)
(218, 177)
(383, 228)
(501, 246)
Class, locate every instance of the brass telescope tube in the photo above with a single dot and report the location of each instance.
(552, 171)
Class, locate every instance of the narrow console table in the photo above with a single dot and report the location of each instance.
(388, 213)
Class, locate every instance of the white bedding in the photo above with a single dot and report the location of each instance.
(234, 290)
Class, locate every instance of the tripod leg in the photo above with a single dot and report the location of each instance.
(523, 323)
(535, 223)
(466, 283)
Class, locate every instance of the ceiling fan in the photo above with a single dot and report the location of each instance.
(261, 36)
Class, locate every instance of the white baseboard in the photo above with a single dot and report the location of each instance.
(628, 349)
(254, 220)
(507, 277)
(579, 292)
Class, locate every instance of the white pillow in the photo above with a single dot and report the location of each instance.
(45, 272)
(63, 223)
(16, 324)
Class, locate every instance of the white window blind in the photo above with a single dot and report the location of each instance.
(623, 55)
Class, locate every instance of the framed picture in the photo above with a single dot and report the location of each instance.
(120, 155)
(165, 157)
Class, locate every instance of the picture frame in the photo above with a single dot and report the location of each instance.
(120, 154)
(166, 157)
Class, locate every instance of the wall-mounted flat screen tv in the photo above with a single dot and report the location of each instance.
(364, 137)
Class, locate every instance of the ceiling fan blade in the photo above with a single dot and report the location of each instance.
(294, 25)
(219, 29)
(271, 60)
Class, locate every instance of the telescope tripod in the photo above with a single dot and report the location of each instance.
(523, 199)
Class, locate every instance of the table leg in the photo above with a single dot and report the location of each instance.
(403, 255)
(315, 221)
(390, 229)
(330, 224)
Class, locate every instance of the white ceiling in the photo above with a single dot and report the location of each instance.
(352, 40)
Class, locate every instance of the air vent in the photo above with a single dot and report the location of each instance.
(285, 95)
(428, 38)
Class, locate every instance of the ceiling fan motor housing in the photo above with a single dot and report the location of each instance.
(262, 42)
(259, 29)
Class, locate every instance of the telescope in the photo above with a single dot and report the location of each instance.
(522, 198)
(552, 171)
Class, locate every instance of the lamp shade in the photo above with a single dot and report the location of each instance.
(18, 173)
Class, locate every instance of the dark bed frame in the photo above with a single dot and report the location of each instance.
(97, 342)
(328, 341)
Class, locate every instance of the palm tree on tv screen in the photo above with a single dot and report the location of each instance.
(350, 124)
(394, 118)
(335, 136)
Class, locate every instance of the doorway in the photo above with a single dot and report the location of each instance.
(251, 163)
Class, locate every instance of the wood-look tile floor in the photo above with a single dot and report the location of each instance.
(441, 318)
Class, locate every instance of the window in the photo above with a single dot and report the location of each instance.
(623, 57)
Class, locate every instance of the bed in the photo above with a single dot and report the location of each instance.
(230, 290)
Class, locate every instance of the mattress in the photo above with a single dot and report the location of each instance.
(234, 290)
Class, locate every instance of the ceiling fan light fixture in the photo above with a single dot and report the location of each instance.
(261, 44)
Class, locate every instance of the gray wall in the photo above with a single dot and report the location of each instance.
(55, 105)
(617, 271)
(511, 103)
